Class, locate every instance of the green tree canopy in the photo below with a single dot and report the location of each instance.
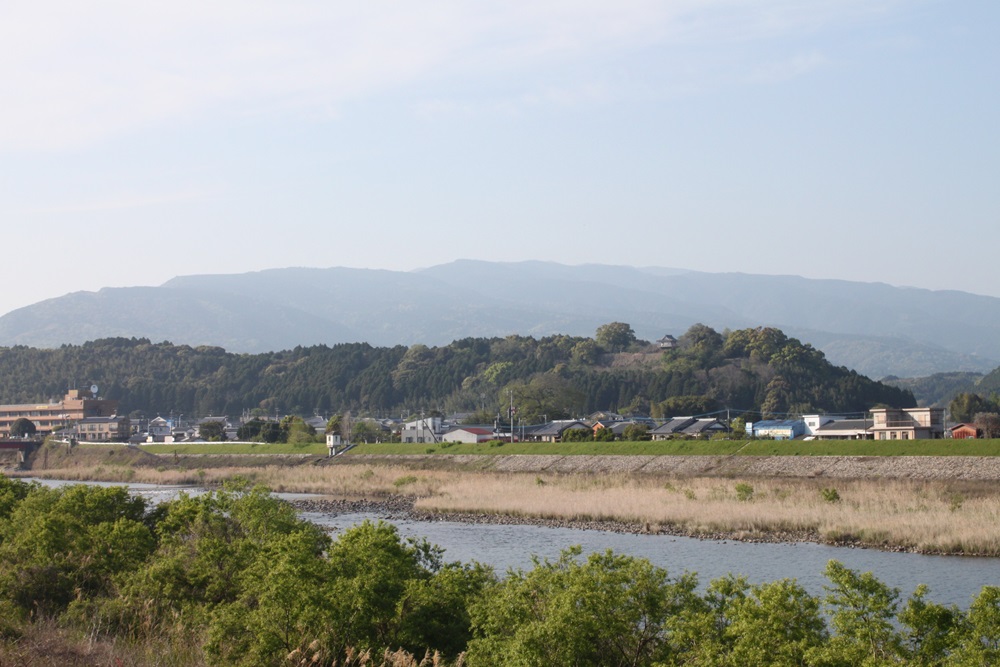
(333, 425)
(250, 430)
(615, 336)
(367, 430)
(544, 396)
(463, 376)
(212, 430)
(22, 428)
(965, 406)
(607, 609)
(636, 432)
(236, 577)
(294, 429)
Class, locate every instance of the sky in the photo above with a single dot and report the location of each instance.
(849, 139)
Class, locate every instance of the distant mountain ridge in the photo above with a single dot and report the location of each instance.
(873, 328)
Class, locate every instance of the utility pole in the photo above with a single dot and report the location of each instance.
(510, 413)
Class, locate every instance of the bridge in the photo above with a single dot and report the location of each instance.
(23, 447)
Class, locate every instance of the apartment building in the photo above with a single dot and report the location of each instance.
(103, 429)
(54, 415)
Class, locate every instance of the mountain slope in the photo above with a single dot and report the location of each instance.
(874, 328)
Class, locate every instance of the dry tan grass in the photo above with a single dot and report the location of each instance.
(929, 516)
(45, 643)
(932, 516)
(341, 481)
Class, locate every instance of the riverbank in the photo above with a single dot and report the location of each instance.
(915, 504)
(396, 508)
(928, 517)
(969, 468)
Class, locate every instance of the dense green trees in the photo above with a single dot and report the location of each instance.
(250, 430)
(238, 576)
(966, 405)
(751, 369)
(636, 432)
(615, 336)
(618, 610)
(58, 545)
(213, 431)
(236, 570)
(606, 610)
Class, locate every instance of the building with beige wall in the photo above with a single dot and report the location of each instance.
(103, 429)
(54, 415)
(907, 423)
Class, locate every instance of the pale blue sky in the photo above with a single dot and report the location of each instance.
(853, 139)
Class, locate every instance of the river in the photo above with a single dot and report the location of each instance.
(952, 579)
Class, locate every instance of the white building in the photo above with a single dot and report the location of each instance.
(429, 429)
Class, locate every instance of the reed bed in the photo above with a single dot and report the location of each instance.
(340, 481)
(924, 516)
(929, 516)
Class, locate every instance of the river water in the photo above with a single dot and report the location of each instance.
(952, 579)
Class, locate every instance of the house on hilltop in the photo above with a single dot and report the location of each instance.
(668, 342)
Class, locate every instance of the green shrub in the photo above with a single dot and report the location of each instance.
(744, 492)
(830, 495)
(12, 619)
(405, 480)
(955, 502)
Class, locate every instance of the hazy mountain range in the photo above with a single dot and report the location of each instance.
(874, 328)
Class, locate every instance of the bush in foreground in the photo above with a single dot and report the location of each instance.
(90, 575)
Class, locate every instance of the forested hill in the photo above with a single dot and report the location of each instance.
(556, 376)
(875, 329)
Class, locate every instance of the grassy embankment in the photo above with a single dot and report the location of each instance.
(660, 448)
(930, 516)
(704, 447)
(237, 448)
